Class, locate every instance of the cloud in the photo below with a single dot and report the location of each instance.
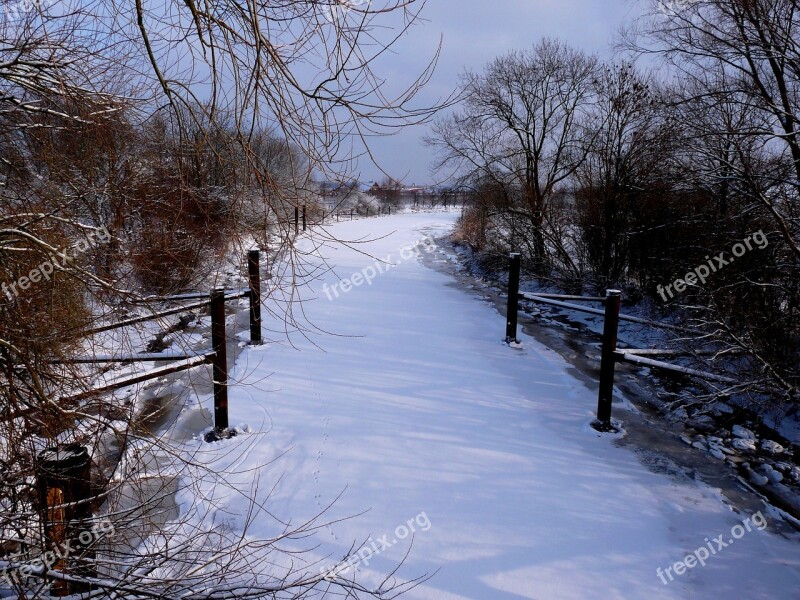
(474, 32)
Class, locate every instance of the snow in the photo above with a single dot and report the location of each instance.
(744, 445)
(397, 404)
(742, 433)
(772, 447)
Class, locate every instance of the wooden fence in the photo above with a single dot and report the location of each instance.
(217, 356)
(610, 353)
(63, 471)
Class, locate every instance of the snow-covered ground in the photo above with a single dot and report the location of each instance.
(398, 403)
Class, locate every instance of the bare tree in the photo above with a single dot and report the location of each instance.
(627, 149)
(747, 55)
(521, 127)
(738, 95)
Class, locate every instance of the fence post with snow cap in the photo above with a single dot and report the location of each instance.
(608, 360)
(65, 495)
(254, 279)
(513, 297)
(220, 363)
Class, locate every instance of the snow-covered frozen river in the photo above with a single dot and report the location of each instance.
(398, 403)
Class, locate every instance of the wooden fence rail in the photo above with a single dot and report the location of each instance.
(126, 358)
(230, 294)
(630, 357)
(547, 299)
(182, 365)
(145, 318)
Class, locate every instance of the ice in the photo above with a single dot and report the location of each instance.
(398, 397)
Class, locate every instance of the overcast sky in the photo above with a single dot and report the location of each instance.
(474, 32)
